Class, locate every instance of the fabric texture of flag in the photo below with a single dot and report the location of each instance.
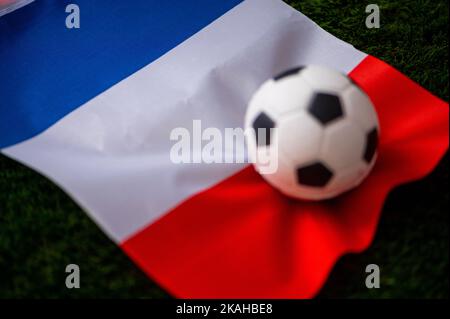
(7, 6)
(92, 109)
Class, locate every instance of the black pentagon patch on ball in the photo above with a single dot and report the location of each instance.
(262, 125)
(325, 107)
(371, 145)
(314, 175)
(288, 73)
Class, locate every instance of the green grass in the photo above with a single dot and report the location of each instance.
(42, 230)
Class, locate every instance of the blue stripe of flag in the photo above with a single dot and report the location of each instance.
(47, 70)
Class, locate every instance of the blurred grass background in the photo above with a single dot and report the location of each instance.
(42, 230)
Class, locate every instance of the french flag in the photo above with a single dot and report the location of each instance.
(92, 110)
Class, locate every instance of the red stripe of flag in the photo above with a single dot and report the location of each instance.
(243, 239)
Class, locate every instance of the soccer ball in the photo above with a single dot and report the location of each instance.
(319, 128)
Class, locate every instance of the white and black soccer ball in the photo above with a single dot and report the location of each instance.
(325, 133)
